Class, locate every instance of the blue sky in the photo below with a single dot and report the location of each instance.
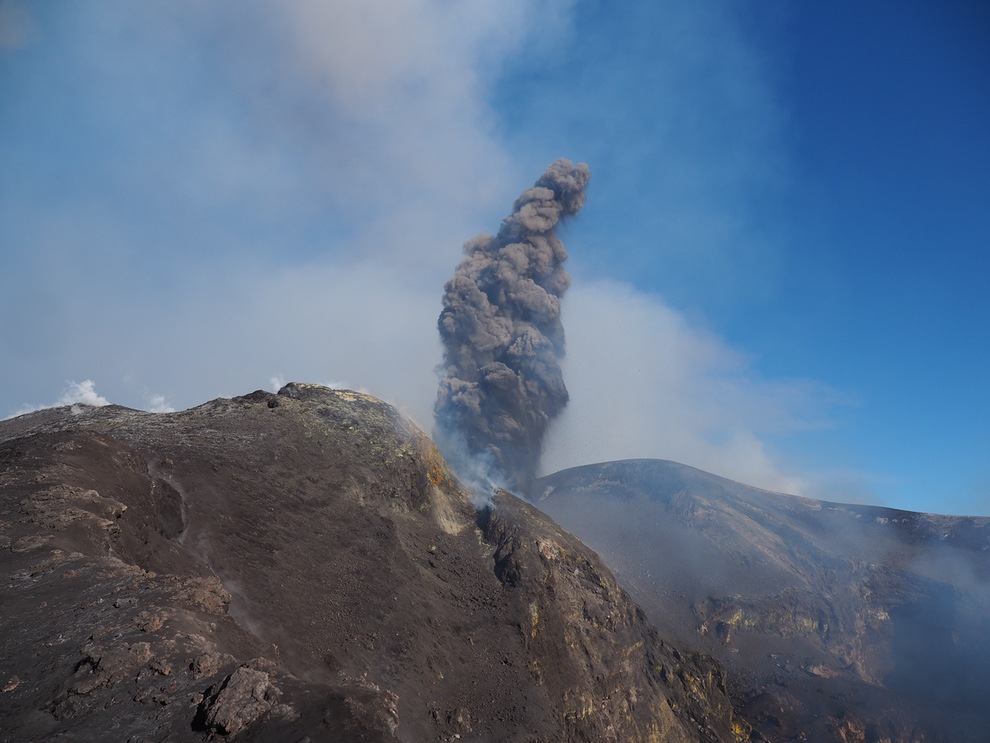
(778, 276)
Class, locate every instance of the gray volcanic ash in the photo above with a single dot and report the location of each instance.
(502, 335)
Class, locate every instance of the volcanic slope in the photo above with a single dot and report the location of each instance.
(834, 622)
(272, 567)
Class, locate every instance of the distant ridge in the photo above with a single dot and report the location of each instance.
(839, 617)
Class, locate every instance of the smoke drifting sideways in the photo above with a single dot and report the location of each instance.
(501, 382)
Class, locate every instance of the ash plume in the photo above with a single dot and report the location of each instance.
(501, 381)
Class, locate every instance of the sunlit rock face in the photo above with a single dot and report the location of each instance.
(305, 565)
(833, 621)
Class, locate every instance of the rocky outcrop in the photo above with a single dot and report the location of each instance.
(274, 567)
(592, 647)
(238, 701)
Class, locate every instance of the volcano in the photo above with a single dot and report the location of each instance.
(833, 621)
(305, 566)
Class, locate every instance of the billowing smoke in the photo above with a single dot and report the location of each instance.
(501, 382)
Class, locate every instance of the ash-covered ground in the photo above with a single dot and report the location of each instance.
(277, 567)
(833, 621)
(305, 566)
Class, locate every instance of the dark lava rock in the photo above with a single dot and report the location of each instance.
(306, 566)
(833, 621)
(238, 700)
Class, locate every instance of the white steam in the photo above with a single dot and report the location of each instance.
(645, 382)
(82, 393)
(158, 404)
(75, 394)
